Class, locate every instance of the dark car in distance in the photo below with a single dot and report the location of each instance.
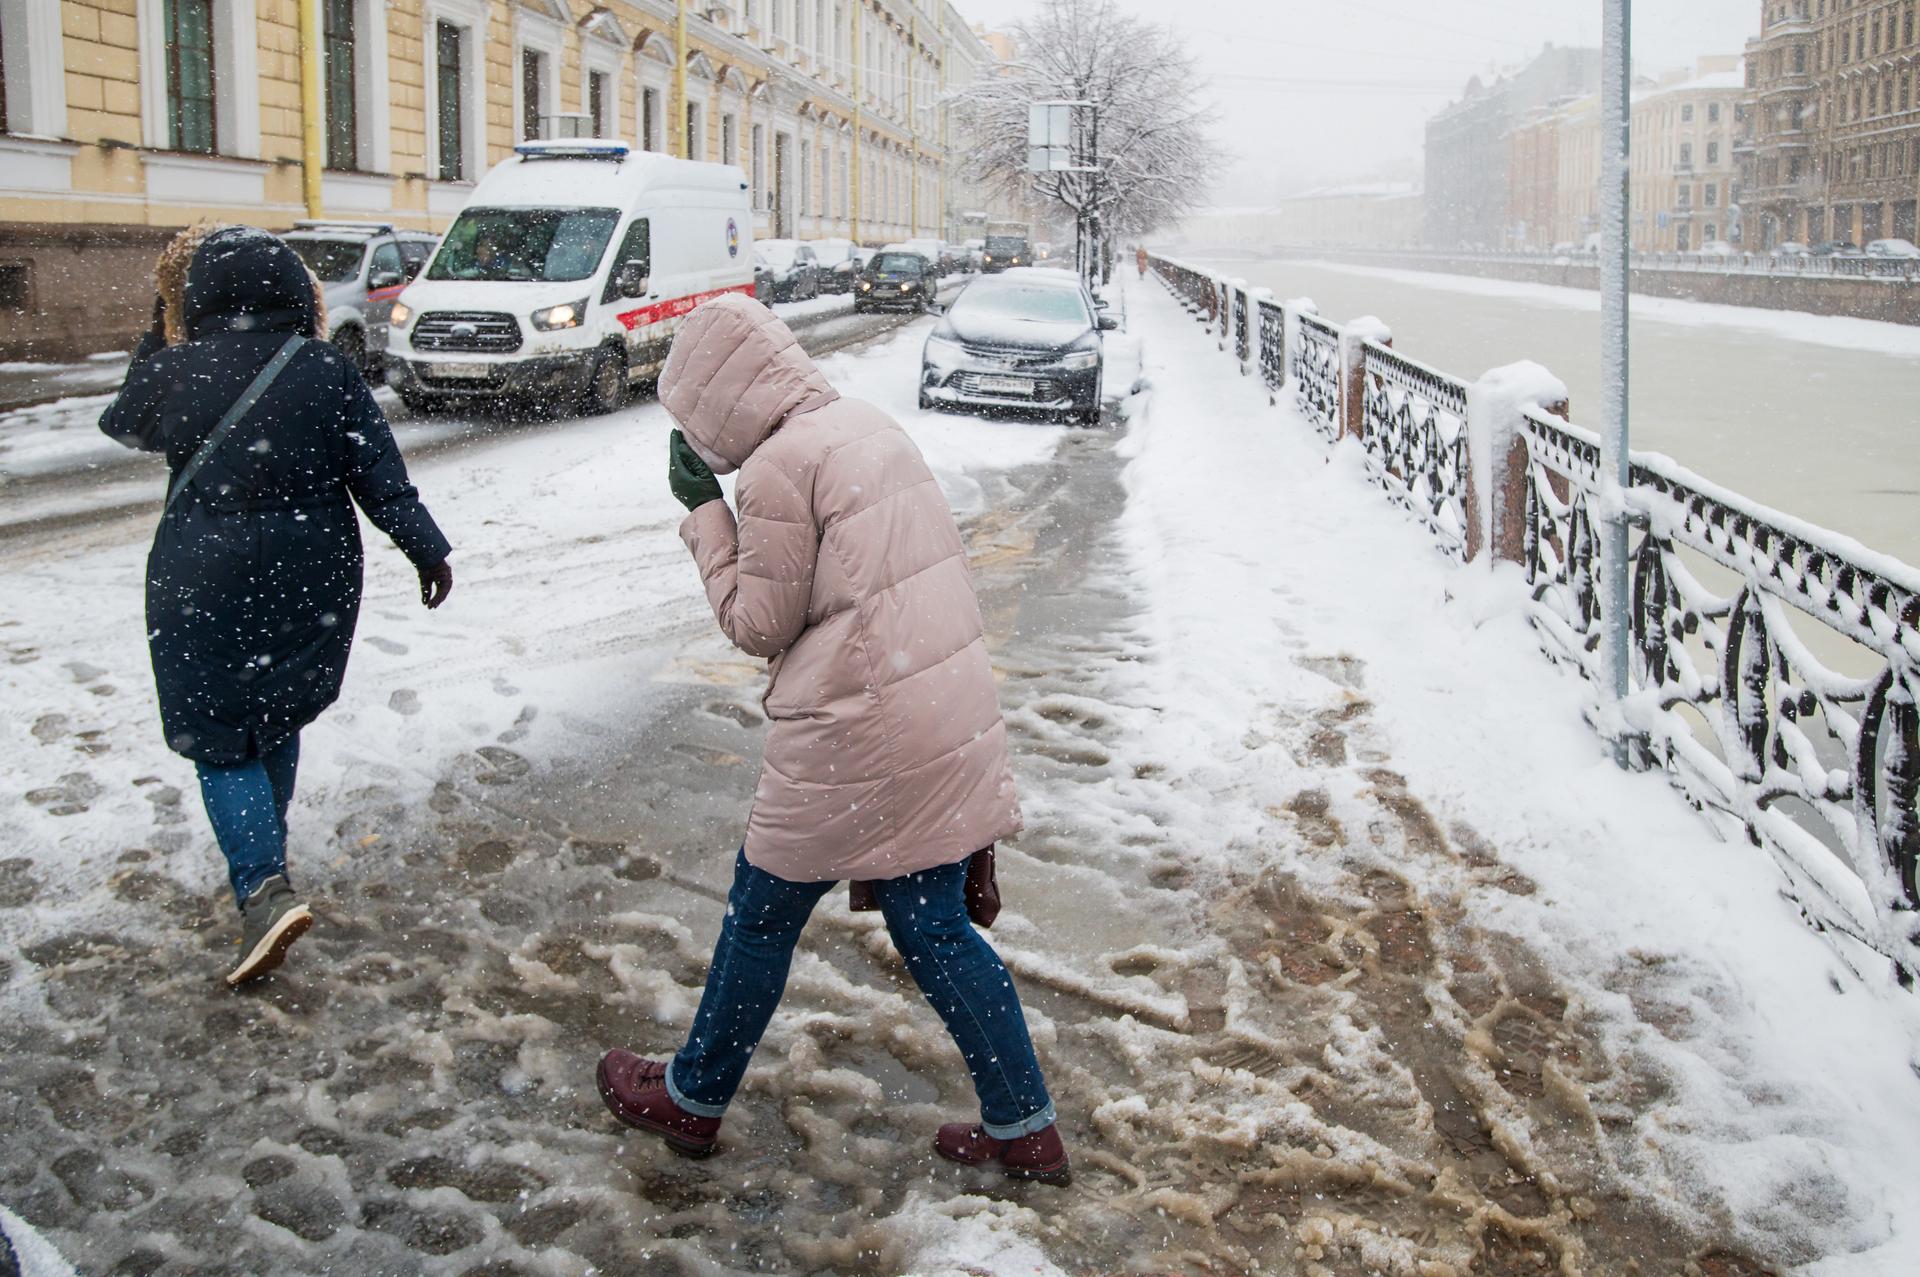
(796, 271)
(895, 280)
(762, 280)
(1023, 340)
(1003, 252)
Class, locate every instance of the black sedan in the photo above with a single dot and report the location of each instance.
(895, 280)
(762, 281)
(1024, 340)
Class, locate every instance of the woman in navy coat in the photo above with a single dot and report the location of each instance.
(253, 581)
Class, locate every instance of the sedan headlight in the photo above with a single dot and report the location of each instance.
(565, 315)
(400, 315)
(1076, 360)
(943, 352)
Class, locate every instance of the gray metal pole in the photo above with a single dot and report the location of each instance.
(1616, 112)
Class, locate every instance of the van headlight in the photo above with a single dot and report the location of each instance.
(1077, 360)
(565, 315)
(399, 315)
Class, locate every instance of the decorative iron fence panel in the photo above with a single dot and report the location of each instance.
(1273, 345)
(1313, 365)
(1242, 338)
(1193, 288)
(1775, 673)
(1414, 428)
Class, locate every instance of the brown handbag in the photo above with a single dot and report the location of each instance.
(982, 891)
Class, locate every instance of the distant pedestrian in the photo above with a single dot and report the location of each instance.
(253, 581)
(1140, 259)
(886, 763)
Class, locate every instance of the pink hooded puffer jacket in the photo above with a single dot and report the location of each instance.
(887, 754)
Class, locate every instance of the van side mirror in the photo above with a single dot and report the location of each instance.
(632, 279)
(385, 279)
(413, 268)
(1106, 323)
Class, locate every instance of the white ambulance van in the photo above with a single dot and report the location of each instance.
(562, 280)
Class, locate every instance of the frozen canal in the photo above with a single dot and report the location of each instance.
(1815, 416)
(1314, 997)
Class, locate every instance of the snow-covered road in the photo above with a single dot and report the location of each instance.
(1346, 950)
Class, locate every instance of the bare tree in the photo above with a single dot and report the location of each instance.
(1155, 156)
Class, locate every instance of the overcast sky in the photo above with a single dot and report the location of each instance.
(1315, 91)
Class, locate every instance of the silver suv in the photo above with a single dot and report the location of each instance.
(362, 267)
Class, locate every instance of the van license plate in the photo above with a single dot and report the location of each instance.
(1005, 385)
(455, 370)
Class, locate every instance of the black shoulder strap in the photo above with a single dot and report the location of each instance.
(241, 407)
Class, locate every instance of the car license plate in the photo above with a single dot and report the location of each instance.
(1005, 385)
(454, 370)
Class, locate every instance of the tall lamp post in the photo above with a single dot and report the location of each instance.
(1616, 111)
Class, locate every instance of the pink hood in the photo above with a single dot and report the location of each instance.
(734, 374)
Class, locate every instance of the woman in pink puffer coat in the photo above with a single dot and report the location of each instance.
(886, 760)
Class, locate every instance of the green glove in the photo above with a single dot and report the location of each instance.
(690, 478)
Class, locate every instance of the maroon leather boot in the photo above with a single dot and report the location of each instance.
(1040, 1156)
(635, 1091)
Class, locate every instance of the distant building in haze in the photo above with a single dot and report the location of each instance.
(1468, 147)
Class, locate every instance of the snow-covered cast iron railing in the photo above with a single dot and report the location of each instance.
(1273, 346)
(1242, 316)
(1414, 428)
(1192, 287)
(1776, 665)
(1313, 366)
(1776, 671)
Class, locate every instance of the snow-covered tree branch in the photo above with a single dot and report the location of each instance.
(1155, 155)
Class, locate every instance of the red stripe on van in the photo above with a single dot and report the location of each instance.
(381, 294)
(674, 307)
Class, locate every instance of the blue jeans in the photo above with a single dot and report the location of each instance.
(955, 968)
(248, 807)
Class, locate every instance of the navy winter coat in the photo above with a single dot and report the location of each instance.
(253, 582)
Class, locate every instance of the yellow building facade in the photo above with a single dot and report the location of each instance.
(126, 119)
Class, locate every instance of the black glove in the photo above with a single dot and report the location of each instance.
(436, 583)
(690, 478)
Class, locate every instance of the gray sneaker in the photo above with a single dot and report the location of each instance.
(272, 919)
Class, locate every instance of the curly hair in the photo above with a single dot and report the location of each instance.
(170, 281)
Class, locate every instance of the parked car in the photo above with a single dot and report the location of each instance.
(796, 271)
(1001, 252)
(361, 266)
(564, 278)
(895, 279)
(762, 279)
(837, 263)
(1718, 248)
(1836, 248)
(1791, 249)
(1020, 339)
(973, 250)
(1895, 249)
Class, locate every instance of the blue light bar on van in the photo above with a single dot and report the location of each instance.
(573, 149)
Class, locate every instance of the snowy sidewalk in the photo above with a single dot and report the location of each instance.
(1345, 950)
(1748, 1077)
